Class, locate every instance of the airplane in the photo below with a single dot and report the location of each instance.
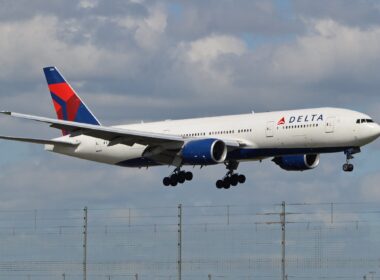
(293, 139)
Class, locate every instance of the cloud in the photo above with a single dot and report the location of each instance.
(369, 187)
(208, 49)
(360, 14)
(330, 50)
(145, 60)
(44, 48)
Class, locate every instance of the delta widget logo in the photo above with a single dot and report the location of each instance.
(281, 121)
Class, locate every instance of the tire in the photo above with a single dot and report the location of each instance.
(189, 176)
(174, 180)
(219, 184)
(345, 167)
(234, 180)
(181, 177)
(227, 183)
(166, 181)
(241, 179)
(350, 167)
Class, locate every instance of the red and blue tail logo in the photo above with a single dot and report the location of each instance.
(67, 103)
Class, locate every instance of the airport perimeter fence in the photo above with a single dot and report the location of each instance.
(322, 241)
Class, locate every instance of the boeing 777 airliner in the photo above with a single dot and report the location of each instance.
(293, 139)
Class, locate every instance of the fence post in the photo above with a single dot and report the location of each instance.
(179, 264)
(85, 244)
(283, 223)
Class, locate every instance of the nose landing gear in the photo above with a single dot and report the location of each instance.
(178, 176)
(348, 167)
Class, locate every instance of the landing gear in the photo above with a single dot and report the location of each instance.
(348, 167)
(231, 178)
(177, 177)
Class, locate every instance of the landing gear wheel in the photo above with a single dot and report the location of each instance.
(219, 184)
(174, 180)
(231, 178)
(188, 176)
(348, 167)
(166, 181)
(177, 176)
(234, 180)
(227, 183)
(226, 186)
(241, 178)
(181, 177)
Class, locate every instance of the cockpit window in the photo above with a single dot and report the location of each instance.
(364, 121)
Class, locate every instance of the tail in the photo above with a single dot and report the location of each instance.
(67, 103)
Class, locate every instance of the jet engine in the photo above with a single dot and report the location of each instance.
(204, 152)
(297, 162)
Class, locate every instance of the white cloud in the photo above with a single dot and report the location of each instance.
(206, 50)
(148, 30)
(199, 61)
(88, 4)
(27, 46)
(328, 50)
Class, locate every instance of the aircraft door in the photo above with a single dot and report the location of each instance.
(98, 145)
(269, 130)
(330, 125)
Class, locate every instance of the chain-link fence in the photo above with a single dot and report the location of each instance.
(322, 241)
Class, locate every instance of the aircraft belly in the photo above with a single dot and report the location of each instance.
(104, 154)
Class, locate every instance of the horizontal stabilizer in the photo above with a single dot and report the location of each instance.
(38, 141)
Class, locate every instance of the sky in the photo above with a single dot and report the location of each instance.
(154, 60)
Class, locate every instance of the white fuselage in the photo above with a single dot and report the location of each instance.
(262, 135)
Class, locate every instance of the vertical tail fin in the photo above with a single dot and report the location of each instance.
(67, 103)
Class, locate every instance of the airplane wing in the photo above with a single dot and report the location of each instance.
(116, 135)
(38, 141)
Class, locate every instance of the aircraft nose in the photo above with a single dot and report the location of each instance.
(377, 130)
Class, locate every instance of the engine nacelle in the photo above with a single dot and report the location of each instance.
(204, 152)
(297, 162)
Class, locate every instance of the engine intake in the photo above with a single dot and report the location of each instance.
(204, 152)
(297, 162)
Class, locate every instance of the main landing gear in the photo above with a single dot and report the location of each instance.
(178, 176)
(348, 167)
(231, 178)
